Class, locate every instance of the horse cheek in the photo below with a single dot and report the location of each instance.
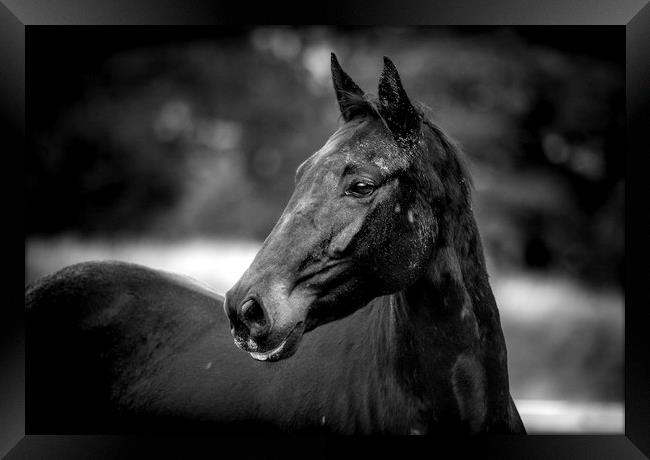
(342, 241)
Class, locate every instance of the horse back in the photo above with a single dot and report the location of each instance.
(114, 347)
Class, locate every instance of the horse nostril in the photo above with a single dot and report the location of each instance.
(252, 314)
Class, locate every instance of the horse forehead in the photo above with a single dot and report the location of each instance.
(376, 151)
(389, 160)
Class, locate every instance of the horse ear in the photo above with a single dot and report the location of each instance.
(344, 88)
(396, 108)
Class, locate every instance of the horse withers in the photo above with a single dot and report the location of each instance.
(367, 309)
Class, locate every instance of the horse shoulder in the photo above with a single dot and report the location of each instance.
(469, 387)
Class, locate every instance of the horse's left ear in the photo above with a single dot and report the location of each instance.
(396, 108)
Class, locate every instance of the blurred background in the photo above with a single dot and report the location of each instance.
(176, 148)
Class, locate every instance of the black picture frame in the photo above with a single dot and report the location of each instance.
(633, 15)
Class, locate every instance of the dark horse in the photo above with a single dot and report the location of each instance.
(367, 309)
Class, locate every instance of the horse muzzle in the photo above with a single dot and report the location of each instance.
(285, 349)
(256, 332)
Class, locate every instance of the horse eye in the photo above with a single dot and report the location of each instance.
(360, 189)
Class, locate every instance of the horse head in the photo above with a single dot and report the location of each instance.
(368, 211)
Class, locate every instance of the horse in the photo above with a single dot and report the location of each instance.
(367, 309)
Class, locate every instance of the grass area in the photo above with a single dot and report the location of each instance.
(565, 339)
(564, 417)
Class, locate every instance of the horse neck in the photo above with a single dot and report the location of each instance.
(446, 327)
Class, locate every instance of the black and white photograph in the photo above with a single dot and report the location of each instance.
(325, 230)
(233, 231)
(260, 230)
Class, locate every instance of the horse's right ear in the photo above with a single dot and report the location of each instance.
(345, 90)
